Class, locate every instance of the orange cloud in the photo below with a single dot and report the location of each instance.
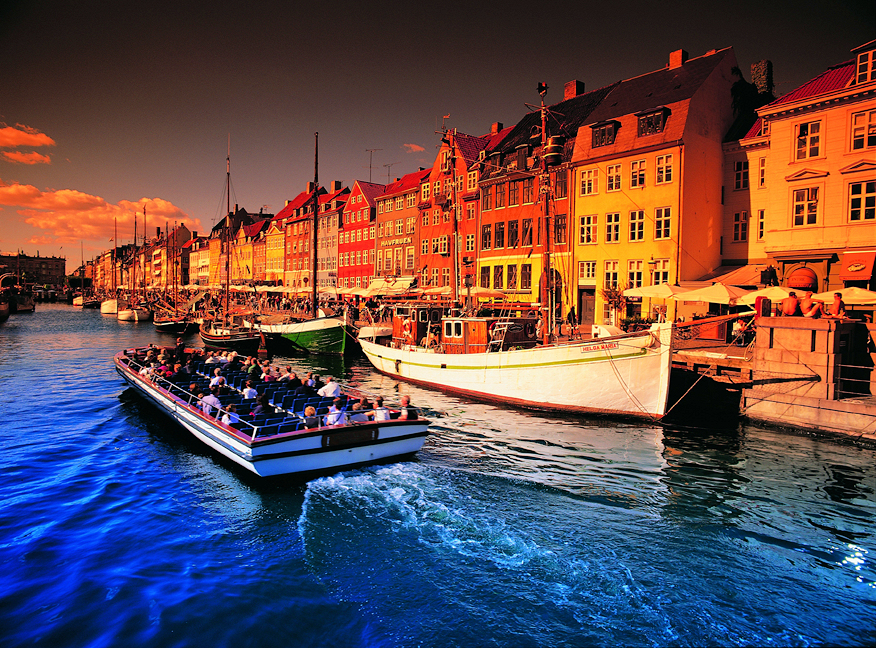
(20, 135)
(68, 215)
(413, 148)
(26, 158)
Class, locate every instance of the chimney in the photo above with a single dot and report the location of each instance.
(157, 232)
(762, 76)
(310, 187)
(677, 58)
(194, 235)
(495, 128)
(573, 89)
(336, 185)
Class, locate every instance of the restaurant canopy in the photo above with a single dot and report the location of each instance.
(717, 293)
(657, 291)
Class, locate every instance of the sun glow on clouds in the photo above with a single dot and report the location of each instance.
(21, 135)
(69, 215)
(413, 148)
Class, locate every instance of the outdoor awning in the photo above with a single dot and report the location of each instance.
(746, 275)
(389, 286)
(857, 266)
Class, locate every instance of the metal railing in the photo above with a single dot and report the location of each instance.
(853, 381)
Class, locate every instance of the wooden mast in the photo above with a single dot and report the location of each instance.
(547, 294)
(315, 306)
(226, 234)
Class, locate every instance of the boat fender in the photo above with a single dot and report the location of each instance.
(530, 330)
(397, 366)
(491, 330)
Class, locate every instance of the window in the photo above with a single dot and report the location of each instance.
(470, 211)
(399, 227)
(560, 228)
(587, 271)
(603, 135)
(634, 273)
(740, 175)
(528, 185)
(561, 185)
(805, 206)
(589, 182)
(612, 228)
(500, 236)
(613, 177)
(425, 219)
(472, 181)
(435, 276)
(761, 218)
(740, 226)
(436, 189)
(862, 201)
(588, 229)
(469, 242)
(425, 190)
(443, 247)
(661, 223)
(424, 246)
(610, 274)
(526, 276)
(411, 201)
(863, 130)
(486, 198)
(661, 271)
(409, 260)
(526, 236)
(498, 277)
(761, 172)
(445, 276)
(410, 222)
(637, 225)
(486, 237)
(514, 192)
(513, 234)
(485, 277)
(500, 195)
(866, 70)
(664, 169)
(512, 277)
(637, 173)
(808, 140)
(651, 124)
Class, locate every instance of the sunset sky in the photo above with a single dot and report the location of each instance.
(110, 106)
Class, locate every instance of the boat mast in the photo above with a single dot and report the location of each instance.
(547, 295)
(226, 234)
(115, 247)
(144, 252)
(315, 307)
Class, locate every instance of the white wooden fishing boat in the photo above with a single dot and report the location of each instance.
(501, 360)
(110, 307)
(134, 314)
(276, 446)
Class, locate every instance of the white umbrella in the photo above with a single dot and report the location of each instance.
(486, 293)
(717, 293)
(773, 293)
(853, 296)
(657, 291)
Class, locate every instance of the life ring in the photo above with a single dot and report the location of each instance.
(491, 328)
(407, 327)
(530, 330)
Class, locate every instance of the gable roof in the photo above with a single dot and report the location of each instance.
(370, 190)
(296, 203)
(470, 146)
(406, 182)
(834, 78)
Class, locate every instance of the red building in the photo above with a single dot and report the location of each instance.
(357, 237)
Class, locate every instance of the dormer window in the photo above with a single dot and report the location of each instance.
(604, 133)
(652, 121)
(866, 69)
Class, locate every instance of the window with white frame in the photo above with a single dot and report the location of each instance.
(528, 189)
(862, 201)
(436, 189)
(411, 200)
(444, 244)
(589, 182)
(469, 242)
(399, 227)
(486, 237)
(661, 271)
(866, 68)
(445, 276)
(514, 192)
(512, 277)
(399, 203)
(761, 172)
(610, 276)
(588, 234)
(435, 276)
(499, 277)
(425, 191)
(500, 195)
(436, 217)
(424, 246)
(761, 223)
(587, 271)
(864, 130)
(472, 181)
(612, 227)
(808, 140)
(410, 223)
(805, 206)
(603, 135)
(409, 257)
(651, 123)
(740, 226)
(637, 225)
(613, 177)
(637, 174)
(662, 220)
(425, 219)
(740, 174)
(470, 211)
(664, 169)
(634, 273)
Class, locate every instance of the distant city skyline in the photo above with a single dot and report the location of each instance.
(108, 109)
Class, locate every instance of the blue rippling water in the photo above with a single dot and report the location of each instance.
(509, 529)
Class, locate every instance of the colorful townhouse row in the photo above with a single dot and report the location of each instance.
(687, 174)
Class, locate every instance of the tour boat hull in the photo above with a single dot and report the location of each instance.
(326, 335)
(626, 376)
(301, 452)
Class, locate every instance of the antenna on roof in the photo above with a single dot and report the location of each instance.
(388, 169)
(370, 159)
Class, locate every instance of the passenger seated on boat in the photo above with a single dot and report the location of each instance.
(249, 391)
(335, 415)
(331, 389)
(358, 415)
(380, 413)
(407, 412)
(311, 420)
(210, 401)
(230, 415)
(263, 408)
(294, 380)
(211, 359)
(180, 350)
(317, 383)
(304, 391)
(218, 380)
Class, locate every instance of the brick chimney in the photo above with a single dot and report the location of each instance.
(573, 89)
(309, 188)
(677, 58)
(496, 127)
(336, 185)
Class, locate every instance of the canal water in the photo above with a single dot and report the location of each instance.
(508, 529)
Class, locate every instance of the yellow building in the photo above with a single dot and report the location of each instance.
(810, 185)
(646, 185)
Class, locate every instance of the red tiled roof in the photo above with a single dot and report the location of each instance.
(406, 182)
(296, 203)
(834, 78)
(470, 146)
(370, 190)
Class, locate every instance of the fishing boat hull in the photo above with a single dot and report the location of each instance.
(134, 315)
(176, 325)
(301, 452)
(21, 303)
(110, 307)
(325, 335)
(622, 376)
(242, 340)
(4, 308)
